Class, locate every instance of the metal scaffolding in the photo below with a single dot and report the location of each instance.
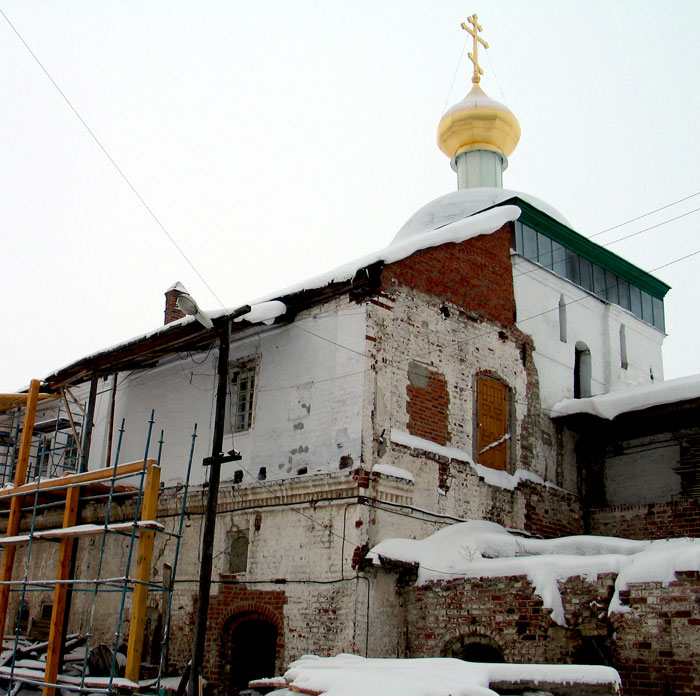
(30, 506)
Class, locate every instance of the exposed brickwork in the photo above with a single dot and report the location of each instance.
(172, 313)
(236, 602)
(428, 404)
(550, 512)
(653, 645)
(679, 518)
(657, 651)
(475, 275)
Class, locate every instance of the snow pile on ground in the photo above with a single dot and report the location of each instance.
(494, 477)
(350, 675)
(614, 403)
(480, 549)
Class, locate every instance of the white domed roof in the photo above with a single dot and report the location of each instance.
(463, 203)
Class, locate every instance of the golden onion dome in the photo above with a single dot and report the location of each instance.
(478, 123)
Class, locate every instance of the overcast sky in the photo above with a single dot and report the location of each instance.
(276, 140)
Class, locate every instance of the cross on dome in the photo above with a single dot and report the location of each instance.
(474, 56)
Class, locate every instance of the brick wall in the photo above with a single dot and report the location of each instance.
(657, 646)
(233, 604)
(678, 518)
(654, 644)
(475, 275)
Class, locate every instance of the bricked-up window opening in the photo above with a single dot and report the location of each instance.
(238, 552)
(582, 371)
(428, 403)
(242, 397)
(492, 420)
(253, 653)
(562, 319)
(623, 348)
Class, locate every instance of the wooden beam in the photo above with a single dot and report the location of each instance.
(149, 511)
(78, 479)
(70, 515)
(8, 555)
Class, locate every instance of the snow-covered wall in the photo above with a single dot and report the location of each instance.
(551, 308)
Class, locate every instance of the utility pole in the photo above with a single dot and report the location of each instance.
(214, 462)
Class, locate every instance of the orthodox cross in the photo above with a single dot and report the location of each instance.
(474, 57)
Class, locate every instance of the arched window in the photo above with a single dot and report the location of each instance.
(492, 423)
(582, 371)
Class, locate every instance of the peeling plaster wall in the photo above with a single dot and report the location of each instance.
(308, 401)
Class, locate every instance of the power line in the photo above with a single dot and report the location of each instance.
(651, 212)
(111, 160)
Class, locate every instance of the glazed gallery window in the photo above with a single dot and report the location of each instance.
(492, 423)
(242, 397)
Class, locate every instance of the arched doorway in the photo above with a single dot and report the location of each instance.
(252, 651)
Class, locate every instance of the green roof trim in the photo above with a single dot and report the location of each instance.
(555, 230)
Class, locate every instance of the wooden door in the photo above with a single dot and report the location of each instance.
(492, 423)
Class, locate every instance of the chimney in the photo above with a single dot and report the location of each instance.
(172, 313)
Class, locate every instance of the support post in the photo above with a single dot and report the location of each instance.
(60, 593)
(149, 511)
(8, 556)
(90, 417)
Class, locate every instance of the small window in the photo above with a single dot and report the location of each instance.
(242, 398)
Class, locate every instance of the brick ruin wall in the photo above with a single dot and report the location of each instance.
(653, 643)
(678, 518)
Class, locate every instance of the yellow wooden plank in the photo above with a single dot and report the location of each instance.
(149, 511)
(8, 556)
(70, 515)
(78, 479)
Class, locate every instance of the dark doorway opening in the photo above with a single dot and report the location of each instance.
(253, 651)
(474, 649)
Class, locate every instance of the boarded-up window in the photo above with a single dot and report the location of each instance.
(492, 423)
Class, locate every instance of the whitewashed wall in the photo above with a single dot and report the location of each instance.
(589, 320)
(309, 388)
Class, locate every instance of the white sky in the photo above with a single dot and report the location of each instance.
(275, 140)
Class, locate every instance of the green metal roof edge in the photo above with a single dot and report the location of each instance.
(555, 230)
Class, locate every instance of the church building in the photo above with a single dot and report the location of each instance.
(453, 377)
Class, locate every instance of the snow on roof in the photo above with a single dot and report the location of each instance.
(486, 222)
(350, 675)
(461, 204)
(615, 403)
(480, 549)
(494, 477)
(177, 285)
(459, 229)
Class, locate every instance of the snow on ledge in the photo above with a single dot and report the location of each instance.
(395, 471)
(494, 477)
(481, 549)
(615, 403)
(345, 674)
